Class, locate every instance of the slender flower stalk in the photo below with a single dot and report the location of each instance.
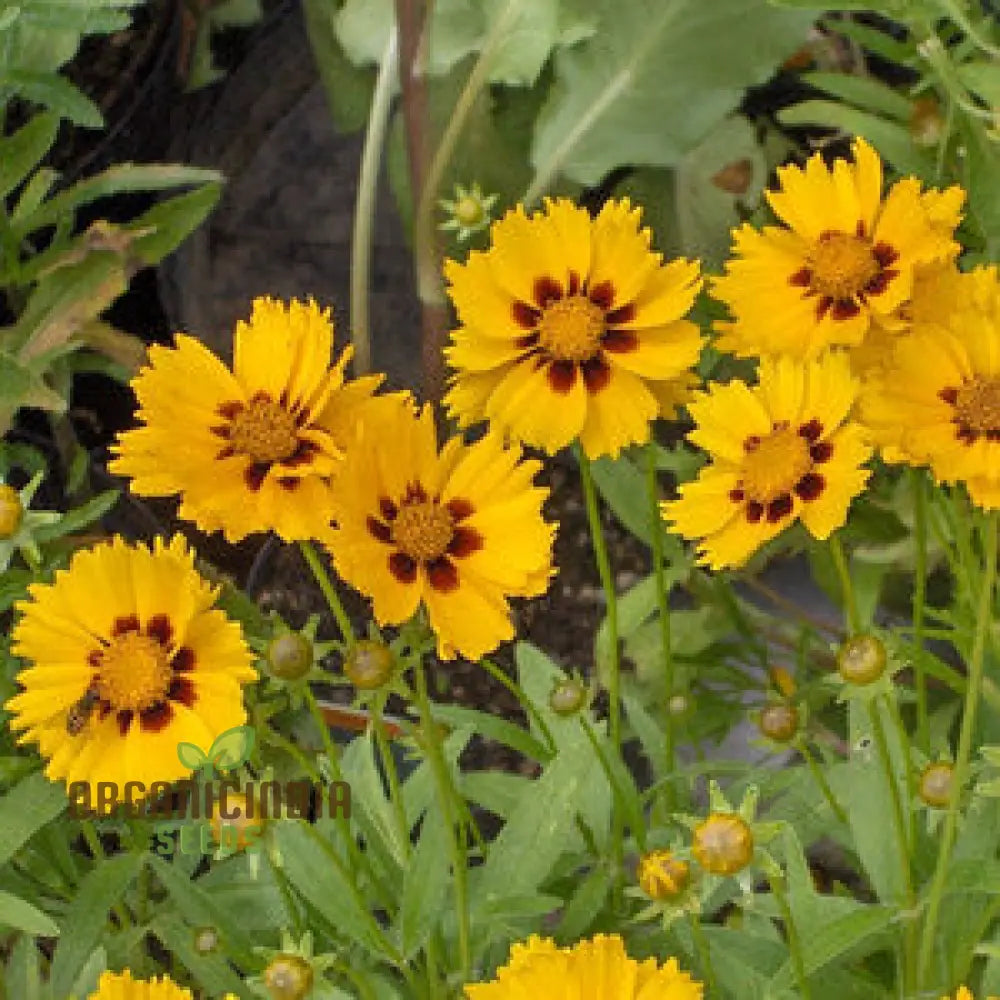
(329, 592)
(976, 663)
(792, 936)
(919, 600)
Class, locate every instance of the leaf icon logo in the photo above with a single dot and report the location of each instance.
(230, 749)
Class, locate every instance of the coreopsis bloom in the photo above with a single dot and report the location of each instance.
(128, 659)
(781, 451)
(458, 530)
(938, 402)
(252, 449)
(596, 967)
(121, 986)
(661, 875)
(844, 259)
(964, 993)
(569, 328)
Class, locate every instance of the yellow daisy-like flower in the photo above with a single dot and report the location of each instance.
(252, 449)
(570, 325)
(964, 993)
(597, 967)
(938, 403)
(844, 259)
(458, 530)
(128, 659)
(121, 986)
(781, 451)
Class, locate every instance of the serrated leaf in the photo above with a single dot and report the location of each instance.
(87, 915)
(653, 80)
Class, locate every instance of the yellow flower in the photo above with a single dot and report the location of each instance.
(252, 449)
(597, 967)
(938, 401)
(844, 259)
(128, 659)
(964, 993)
(121, 986)
(661, 875)
(782, 450)
(458, 530)
(569, 327)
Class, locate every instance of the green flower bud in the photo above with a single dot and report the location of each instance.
(288, 977)
(568, 697)
(861, 659)
(369, 664)
(779, 722)
(289, 656)
(936, 783)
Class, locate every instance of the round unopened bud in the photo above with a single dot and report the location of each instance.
(289, 656)
(723, 844)
(469, 211)
(288, 977)
(779, 722)
(11, 511)
(240, 826)
(936, 784)
(206, 940)
(662, 876)
(677, 705)
(783, 681)
(568, 697)
(369, 664)
(861, 659)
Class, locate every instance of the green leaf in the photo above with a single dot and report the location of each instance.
(865, 92)
(653, 80)
(21, 152)
(192, 756)
(24, 810)
(80, 517)
(212, 972)
(172, 221)
(22, 916)
(23, 978)
(493, 728)
(891, 140)
(55, 93)
(583, 907)
(87, 916)
(537, 833)
(231, 748)
(983, 79)
(425, 884)
(622, 786)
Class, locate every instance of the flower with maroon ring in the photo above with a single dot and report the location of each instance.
(845, 258)
(458, 531)
(937, 402)
(128, 659)
(571, 328)
(781, 451)
(252, 449)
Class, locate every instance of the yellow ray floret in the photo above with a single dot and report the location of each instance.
(781, 451)
(598, 967)
(252, 449)
(127, 659)
(844, 259)
(457, 531)
(571, 329)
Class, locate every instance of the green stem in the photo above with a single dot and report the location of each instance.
(792, 935)
(364, 206)
(919, 600)
(663, 603)
(428, 279)
(847, 588)
(326, 586)
(824, 786)
(456, 839)
(93, 840)
(392, 775)
(704, 956)
(949, 829)
(603, 561)
(525, 702)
